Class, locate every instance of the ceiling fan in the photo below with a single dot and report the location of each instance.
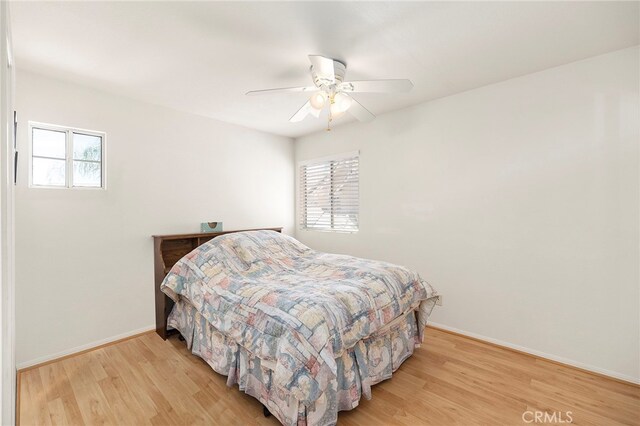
(331, 90)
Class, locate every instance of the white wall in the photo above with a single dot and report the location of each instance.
(84, 257)
(518, 201)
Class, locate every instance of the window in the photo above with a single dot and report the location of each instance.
(329, 193)
(66, 158)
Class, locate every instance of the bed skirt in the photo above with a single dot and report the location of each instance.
(371, 361)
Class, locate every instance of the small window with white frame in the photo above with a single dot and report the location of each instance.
(329, 193)
(65, 157)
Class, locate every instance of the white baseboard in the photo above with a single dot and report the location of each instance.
(540, 354)
(71, 351)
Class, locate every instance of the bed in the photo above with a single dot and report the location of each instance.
(306, 333)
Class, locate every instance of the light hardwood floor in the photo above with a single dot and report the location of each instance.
(450, 380)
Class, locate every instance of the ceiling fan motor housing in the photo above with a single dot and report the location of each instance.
(339, 70)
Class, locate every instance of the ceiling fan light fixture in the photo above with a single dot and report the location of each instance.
(318, 100)
(340, 103)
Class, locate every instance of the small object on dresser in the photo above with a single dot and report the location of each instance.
(211, 227)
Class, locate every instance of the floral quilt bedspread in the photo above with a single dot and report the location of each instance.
(295, 308)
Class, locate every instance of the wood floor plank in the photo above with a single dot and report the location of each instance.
(57, 412)
(450, 380)
(93, 404)
(34, 392)
(121, 403)
(56, 386)
(134, 385)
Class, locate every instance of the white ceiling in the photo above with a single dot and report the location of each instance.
(202, 57)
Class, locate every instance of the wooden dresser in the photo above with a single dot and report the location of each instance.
(167, 250)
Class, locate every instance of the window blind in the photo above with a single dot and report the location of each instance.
(330, 194)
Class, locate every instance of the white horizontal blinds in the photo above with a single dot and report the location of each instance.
(330, 194)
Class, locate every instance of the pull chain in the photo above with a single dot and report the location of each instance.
(331, 101)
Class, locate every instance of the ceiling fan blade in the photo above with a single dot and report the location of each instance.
(282, 90)
(302, 113)
(358, 111)
(377, 86)
(323, 67)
